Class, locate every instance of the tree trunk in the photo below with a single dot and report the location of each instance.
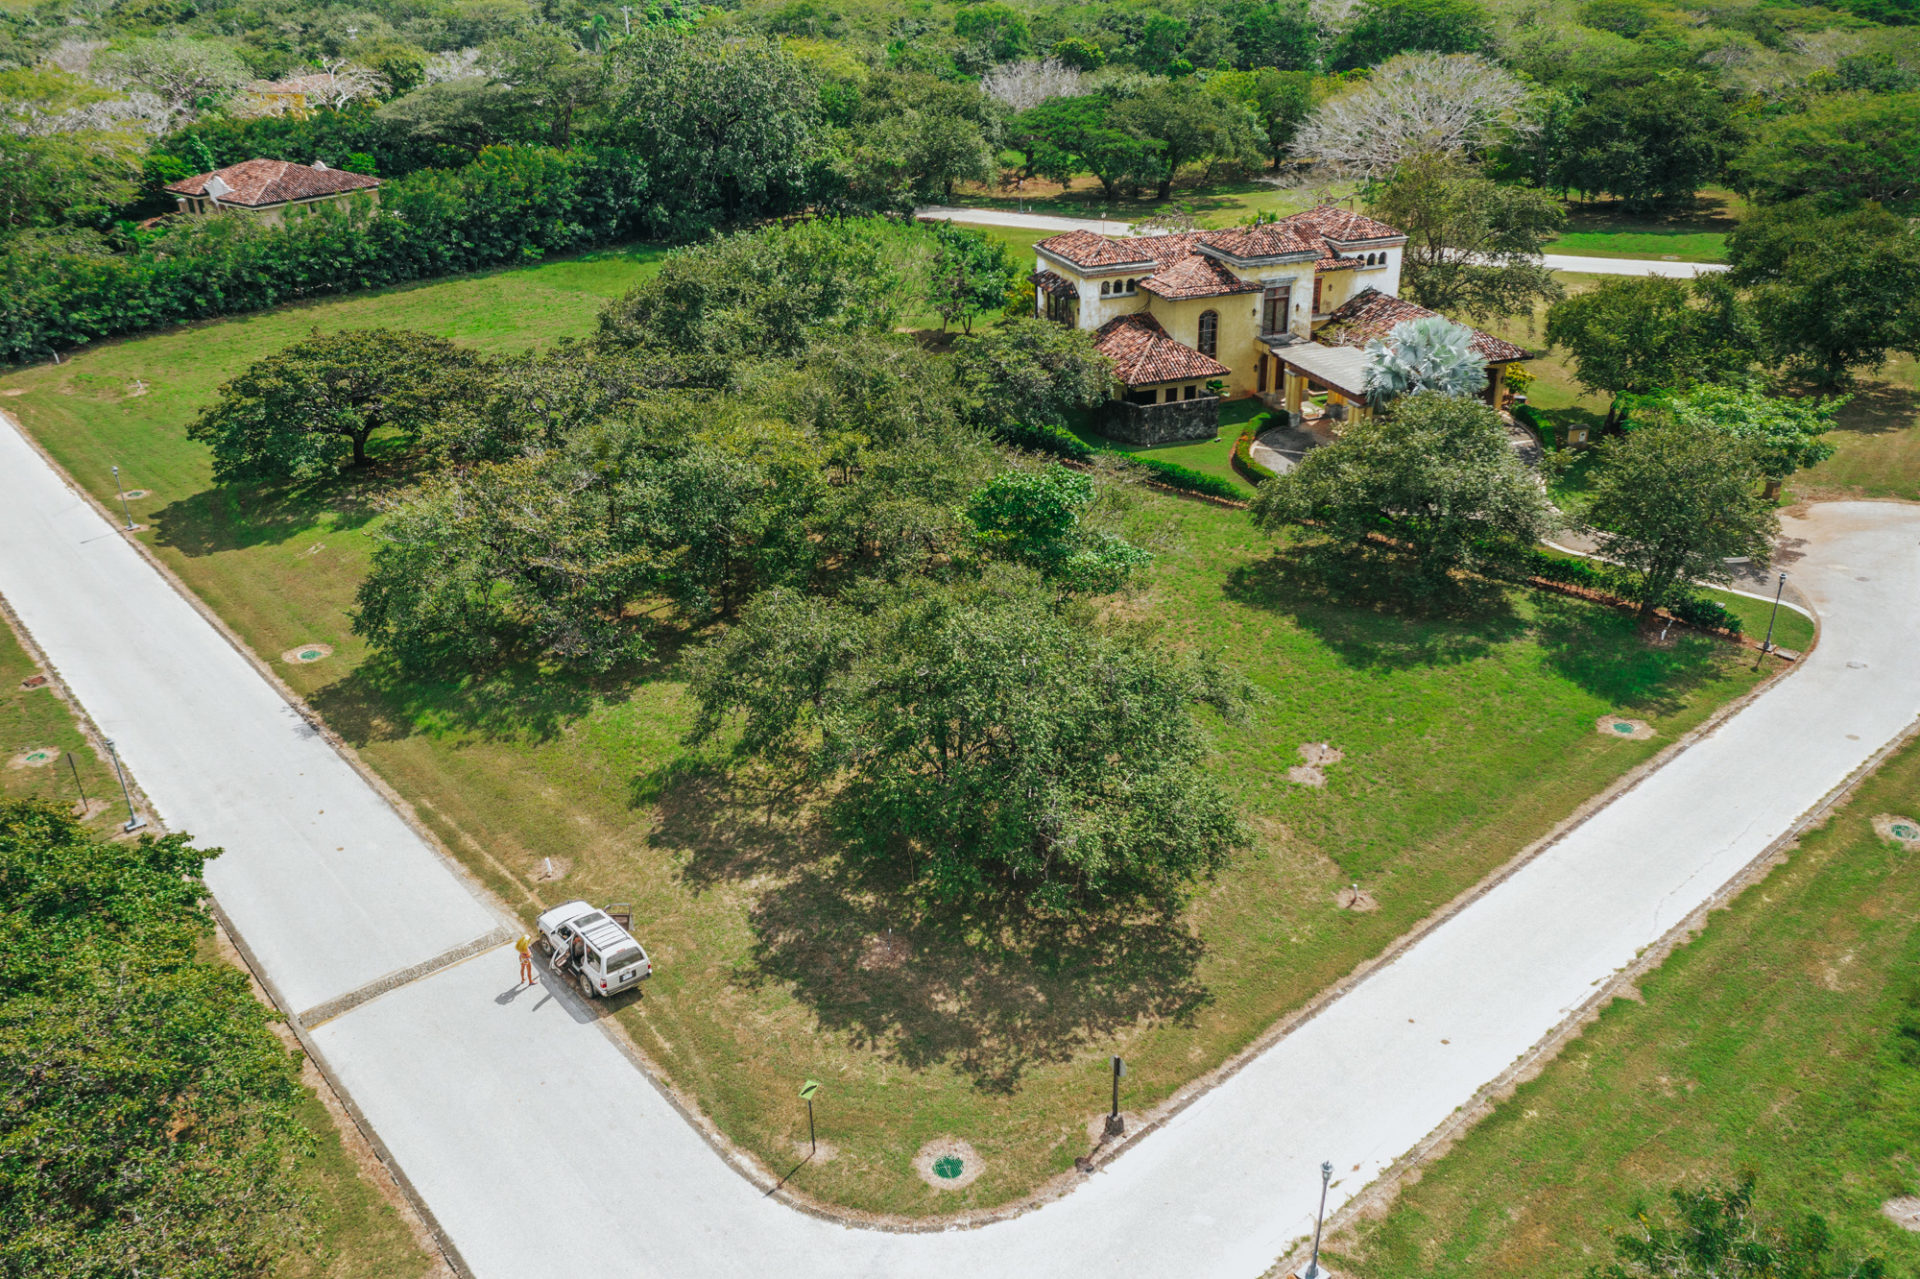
(360, 447)
(1613, 417)
(1773, 488)
(1165, 189)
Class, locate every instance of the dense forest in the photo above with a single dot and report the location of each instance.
(713, 114)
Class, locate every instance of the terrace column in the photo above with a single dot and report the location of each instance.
(1296, 393)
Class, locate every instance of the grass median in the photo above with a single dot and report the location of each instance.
(1467, 734)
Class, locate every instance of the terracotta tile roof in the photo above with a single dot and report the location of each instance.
(1334, 262)
(1268, 240)
(1054, 282)
(259, 183)
(1088, 249)
(1194, 275)
(1143, 353)
(1344, 225)
(1371, 314)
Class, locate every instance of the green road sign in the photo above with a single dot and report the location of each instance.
(809, 1088)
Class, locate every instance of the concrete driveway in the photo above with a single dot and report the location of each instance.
(541, 1148)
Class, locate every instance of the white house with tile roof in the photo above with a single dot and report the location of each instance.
(1250, 308)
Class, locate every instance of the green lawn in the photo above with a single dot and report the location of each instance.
(1790, 629)
(1774, 1043)
(1669, 245)
(1698, 233)
(1876, 443)
(771, 967)
(38, 734)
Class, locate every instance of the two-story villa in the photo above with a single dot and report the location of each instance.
(1277, 310)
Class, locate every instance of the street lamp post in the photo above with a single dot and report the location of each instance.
(123, 499)
(134, 821)
(1326, 1176)
(1781, 587)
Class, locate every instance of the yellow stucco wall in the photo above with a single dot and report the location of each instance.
(1240, 313)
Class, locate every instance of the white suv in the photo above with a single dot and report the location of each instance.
(606, 959)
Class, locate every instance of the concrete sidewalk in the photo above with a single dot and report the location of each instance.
(479, 1091)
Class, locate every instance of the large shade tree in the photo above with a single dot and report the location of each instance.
(1673, 503)
(729, 124)
(1651, 142)
(1473, 245)
(311, 408)
(1634, 335)
(151, 1115)
(1414, 105)
(1832, 292)
(982, 742)
(1437, 476)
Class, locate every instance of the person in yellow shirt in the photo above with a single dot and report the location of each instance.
(525, 947)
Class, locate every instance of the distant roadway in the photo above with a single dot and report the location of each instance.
(1554, 261)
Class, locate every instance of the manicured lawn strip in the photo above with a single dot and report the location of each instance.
(1767, 1044)
(1466, 738)
(1672, 245)
(360, 1234)
(1791, 629)
(34, 719)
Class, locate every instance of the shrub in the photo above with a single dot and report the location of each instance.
(1243, 460)
(1177, 476)
(1698, 610)
(1042, 438)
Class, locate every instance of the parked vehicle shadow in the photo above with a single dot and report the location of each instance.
(987, 991)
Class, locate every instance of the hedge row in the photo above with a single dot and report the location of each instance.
(1609, 579)
(1256, 473)
(511, 205)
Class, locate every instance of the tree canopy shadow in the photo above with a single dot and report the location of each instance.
(1605, 652)
(523, 701)
(1878, 408)
(1366, 606)
(231, 517)
(988, 992)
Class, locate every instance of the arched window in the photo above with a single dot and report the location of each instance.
(1132, 284)
(1209, 332)
(1105, 288)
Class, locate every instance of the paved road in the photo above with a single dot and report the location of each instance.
(543, 1151)
(1556, 261)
